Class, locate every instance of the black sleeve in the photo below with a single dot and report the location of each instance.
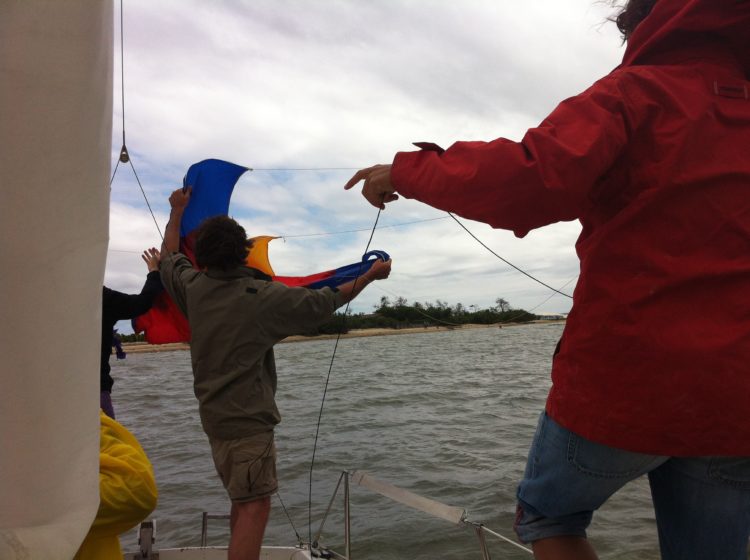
(117, 305)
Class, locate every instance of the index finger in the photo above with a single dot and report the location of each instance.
(357, 177)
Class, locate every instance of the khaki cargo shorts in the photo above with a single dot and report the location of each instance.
(246, 466)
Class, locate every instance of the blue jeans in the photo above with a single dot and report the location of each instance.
(702, 504)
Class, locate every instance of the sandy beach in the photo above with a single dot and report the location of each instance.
(137, 347)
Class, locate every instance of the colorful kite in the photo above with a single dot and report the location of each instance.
(213, 181)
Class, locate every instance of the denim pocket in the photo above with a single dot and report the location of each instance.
(732, 471)
(602, 461)
(536, 448)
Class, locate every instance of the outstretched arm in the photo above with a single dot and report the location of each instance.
(378, 271)
(178, 200)
(289, 311)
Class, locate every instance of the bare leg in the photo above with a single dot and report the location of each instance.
(248, 522)
(563, 548)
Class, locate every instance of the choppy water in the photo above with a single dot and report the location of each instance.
(448, 415)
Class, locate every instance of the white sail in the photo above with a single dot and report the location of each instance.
(55, 136)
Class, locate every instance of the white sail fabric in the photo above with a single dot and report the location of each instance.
(55, 136)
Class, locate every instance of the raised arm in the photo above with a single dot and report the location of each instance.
(178, 200)
(151, 257)
(117, 305)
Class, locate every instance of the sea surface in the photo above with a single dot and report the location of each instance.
(448, 415)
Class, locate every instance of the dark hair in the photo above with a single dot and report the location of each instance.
(633, 13)
(221, 243)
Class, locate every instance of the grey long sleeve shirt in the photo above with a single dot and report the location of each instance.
(236, 317)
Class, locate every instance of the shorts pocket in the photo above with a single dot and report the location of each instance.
(732, 471)
(535, 453)
(602, 461)
(261, 476)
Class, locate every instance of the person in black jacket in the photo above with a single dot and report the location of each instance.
(117, 306)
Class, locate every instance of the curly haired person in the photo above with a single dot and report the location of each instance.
(236, 315)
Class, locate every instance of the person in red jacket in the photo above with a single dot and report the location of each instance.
(654, 161)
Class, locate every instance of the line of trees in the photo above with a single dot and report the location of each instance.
(399, 314)
(140, 337)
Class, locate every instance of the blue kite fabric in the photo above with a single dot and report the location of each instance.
(213, 181)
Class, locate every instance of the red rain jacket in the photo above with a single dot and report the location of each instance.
(654, 160)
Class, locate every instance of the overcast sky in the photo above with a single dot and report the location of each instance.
(281, 84)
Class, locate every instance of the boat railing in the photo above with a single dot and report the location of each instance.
(452, 514)
(204, 524)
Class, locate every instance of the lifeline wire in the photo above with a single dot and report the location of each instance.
(328, 377)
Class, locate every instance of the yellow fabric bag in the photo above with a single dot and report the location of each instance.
(127, 491)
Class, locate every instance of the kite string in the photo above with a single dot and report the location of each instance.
(507, 261)
(328, 377)
(285, 237)
(291, 169)
(335, 348)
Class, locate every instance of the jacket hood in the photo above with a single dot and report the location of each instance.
(692, 24)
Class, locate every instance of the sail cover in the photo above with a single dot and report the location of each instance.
(55, 133)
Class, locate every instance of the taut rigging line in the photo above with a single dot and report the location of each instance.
(124, 155)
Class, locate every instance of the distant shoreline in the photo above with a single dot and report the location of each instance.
(143, 347)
